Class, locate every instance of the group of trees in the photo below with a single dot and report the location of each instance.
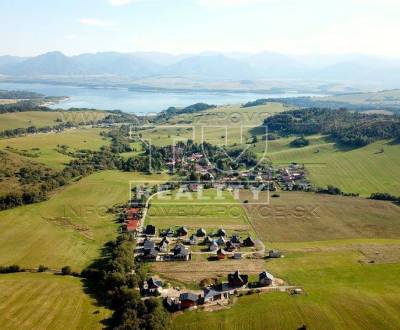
(312, 102)
(350, 128)
(115, 280)
(173, 111)
(385, 197)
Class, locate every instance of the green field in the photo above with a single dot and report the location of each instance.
(223, 125)
(348, 273)
(340, 294)
(47, 144)
(359, 170)
(71, 227)
(46, 301)
(45, 118)
(209, 210)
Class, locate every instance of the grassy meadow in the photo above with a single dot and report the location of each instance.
(46, 301)
(208, 210)
(68, 229)
(340, 293)
(346, 257)
(225, 125)
(47, 144)
(45, 118)
(358, 170)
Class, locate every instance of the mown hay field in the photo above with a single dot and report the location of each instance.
(45, 145)
(46, 301)
(71, 227)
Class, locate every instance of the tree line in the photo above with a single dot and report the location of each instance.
(115, 278)
(350, 128)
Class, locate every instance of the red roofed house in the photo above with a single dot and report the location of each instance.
(132, 225)
(133, 213)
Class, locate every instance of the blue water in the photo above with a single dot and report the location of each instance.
(134, 101)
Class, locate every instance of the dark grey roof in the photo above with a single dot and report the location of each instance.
(148, 244)
(152, 283)
(265, 275)
(209, 293)
(188, 296)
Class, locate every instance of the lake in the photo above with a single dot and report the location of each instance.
(139, 102)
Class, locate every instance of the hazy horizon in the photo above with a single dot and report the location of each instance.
(293, 27)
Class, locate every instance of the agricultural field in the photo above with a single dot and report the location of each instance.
(46, 301)
(43, 147)
(210, 210)
(303, 217)
(46, 118)
(221, 126)
(71, 227)
(346, 260)
(340, 293)
(373, 168)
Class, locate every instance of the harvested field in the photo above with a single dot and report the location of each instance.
(200, 269)
(296, 217)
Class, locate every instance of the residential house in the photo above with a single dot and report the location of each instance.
(150, 255)
(265, 279)
(183, 231)
(172, 304)
(193, 240)
(201, 232)
(211, 295)
(221, 240)
(181, 253)
(188, 300)
(213, 246)
(235, 240)
(221, 232)
(150, 230)
(221, 254)
(163, 247)
(208, 240)
(148, 244)
(168, 232)
(152, 285)
(249, 242)
(237, 280)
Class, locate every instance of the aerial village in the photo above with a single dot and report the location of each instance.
(181, 244)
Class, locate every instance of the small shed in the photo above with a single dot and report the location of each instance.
(275, 254)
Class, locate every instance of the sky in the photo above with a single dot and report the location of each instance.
(298, 27)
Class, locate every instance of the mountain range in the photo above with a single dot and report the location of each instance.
(215, 66)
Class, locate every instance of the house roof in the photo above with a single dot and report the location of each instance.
(188, 296)
(148, 244)
(237, 276)
(235, 239)
(266, 275)
(221, 232)
(153, 283)
(221, 240)
(210, 293)
(201, 231)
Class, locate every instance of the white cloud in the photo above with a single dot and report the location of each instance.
(121, 2)
(94, 22)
